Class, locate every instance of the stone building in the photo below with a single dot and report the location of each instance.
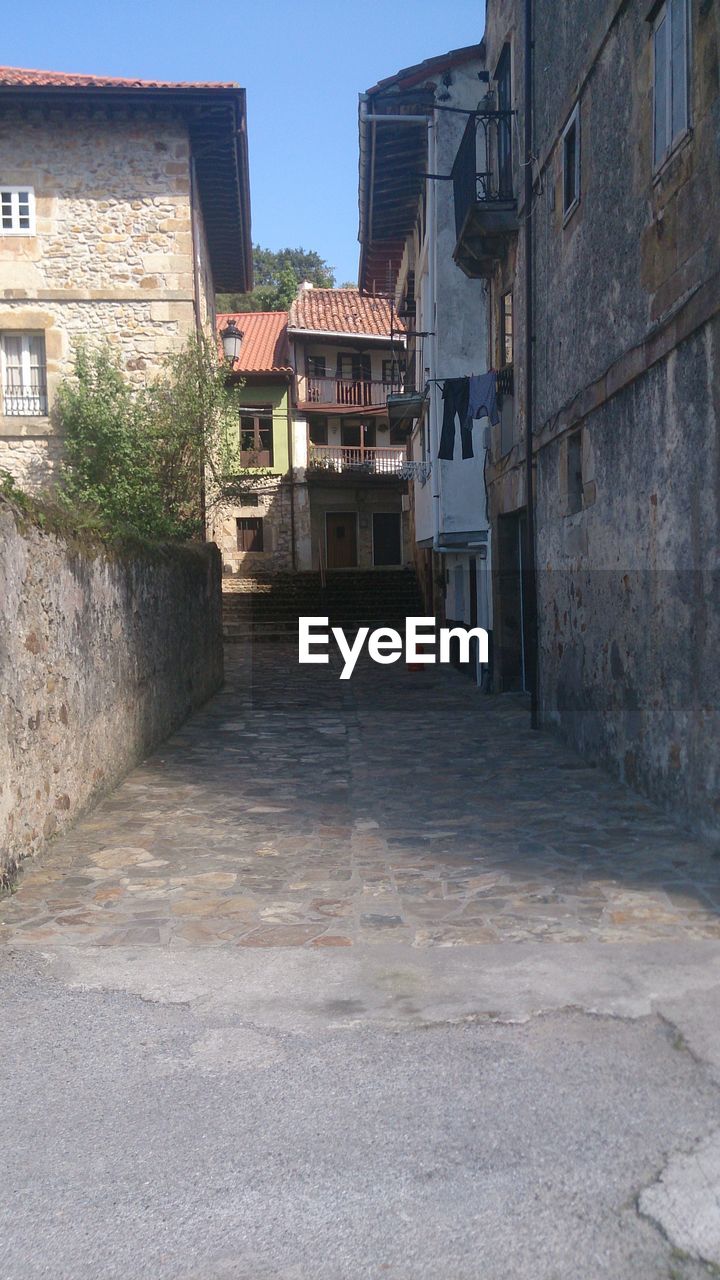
(410, 125)
(348, 352)
(124, 205)
(258, 535)
(620, 397)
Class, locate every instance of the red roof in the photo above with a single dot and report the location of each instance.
(66, 80)
(264, 346)
(411, 77)
(342, 311)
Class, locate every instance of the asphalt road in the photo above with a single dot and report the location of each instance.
(343, 1130)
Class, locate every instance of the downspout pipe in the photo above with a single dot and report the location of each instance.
(530, 572)
(291, 467)
(195, 241)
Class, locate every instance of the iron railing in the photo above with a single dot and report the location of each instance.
(504, 380)
(482, 172)
(24, 403)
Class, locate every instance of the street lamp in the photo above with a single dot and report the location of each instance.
(231, 339)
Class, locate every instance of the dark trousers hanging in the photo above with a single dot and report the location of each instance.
(455, 404)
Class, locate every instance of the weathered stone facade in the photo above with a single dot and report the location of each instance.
(272, 502)
(101, 656)
(626, 407)
(119, 251)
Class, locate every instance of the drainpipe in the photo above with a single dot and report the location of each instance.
(291, 464)
(530, 573)
(429, 321)
(198, 319)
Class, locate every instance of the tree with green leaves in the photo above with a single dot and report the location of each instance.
(142, 461)
(278, 275)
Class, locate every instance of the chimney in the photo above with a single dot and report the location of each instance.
(307, 285)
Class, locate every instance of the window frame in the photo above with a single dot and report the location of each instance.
(14, 193)
(259, 414)
(244, 524)
(311, 361)
(26, 390)
(664, 13)
(575, 479)
(506, 337)
(573, 120)
(319, 423)
(394, 372)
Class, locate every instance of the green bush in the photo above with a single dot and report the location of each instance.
(140, 458)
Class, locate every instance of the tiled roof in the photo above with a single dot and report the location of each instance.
(66, 80)
(409, 77)
(264, 346)
(218, 137)
(342, 311)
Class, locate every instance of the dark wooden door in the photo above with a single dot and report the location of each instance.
(341, 539)
(387, 538)
(512, 532)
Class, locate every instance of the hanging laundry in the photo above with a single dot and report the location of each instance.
(455, 404)
(482, 398)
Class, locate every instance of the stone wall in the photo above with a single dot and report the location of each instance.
(629, 586)
(272, 503)
(112, 257)
(102, 655)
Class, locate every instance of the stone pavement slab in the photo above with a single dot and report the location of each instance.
(298, 810)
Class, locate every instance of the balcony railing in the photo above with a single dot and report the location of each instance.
(505, 380)
(485, 206)
(359, 458)
(357, 393)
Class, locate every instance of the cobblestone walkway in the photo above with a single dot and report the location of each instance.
(296, 810)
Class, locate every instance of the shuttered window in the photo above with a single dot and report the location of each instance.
(670, 78)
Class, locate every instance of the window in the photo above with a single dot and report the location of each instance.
(318, 429)
(574, 473)
(354, 367)
(24, 380)
(670, 77)
(249, 533)
(316, 366)
(393, 373)
(17, 211)
(256, 437)
(506, 328)
(571, 163)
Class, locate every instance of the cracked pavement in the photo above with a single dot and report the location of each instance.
(363, 980)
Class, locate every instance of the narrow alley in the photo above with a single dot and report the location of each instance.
(309, 954)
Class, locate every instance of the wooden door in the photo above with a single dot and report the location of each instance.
(341, 529)
(387, 538)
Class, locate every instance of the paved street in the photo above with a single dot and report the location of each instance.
(361, 980)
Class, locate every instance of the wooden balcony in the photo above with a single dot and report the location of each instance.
(330, 393)
(360, 459)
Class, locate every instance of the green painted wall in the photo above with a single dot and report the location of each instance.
(277, 395)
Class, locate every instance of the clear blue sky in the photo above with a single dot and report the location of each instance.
(303, 63)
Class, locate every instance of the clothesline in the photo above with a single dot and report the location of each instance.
(454, 376)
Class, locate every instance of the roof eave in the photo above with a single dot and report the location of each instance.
(232, 269)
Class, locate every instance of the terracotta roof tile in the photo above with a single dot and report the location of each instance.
(265, 346)
(410, 77)
(65, 80)
(342, 311)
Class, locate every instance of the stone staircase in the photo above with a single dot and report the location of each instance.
(266, 608)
